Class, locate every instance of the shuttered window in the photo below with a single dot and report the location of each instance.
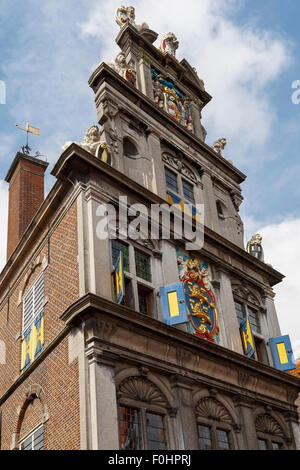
(33, 302)
(33, 323)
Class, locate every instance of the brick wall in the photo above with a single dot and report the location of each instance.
(58, 380)
(26, 194)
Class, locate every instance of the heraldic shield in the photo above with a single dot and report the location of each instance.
(200, 299)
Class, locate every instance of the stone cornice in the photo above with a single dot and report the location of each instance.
(93, 305)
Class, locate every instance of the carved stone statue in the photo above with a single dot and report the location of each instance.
(254, 247)
(122, 68)
(188, 121)
(93, 144)
(219, 146)
(169, 44)
(125, 15)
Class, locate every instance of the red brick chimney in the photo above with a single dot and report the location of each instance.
(26, 194)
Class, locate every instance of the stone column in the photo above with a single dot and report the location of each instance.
(104, 429)
(248, 430)
(232, 332)
(187, 433)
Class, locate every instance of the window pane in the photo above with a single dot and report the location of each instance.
(130, 431)
(142, 264)
(254, 319)
(27, 444)
(143, 303)
(155, 432)
(223, 439)
(188, 191)
(276, 445)
(240, 311)
(118, 246)
(262, 444)
(171, 180)
(205, 440)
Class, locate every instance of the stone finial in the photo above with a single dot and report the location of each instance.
(254, 247)
(125, 15)
(169, 44)
(219, 146)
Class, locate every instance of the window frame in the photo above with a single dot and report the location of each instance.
(134, 282)
(257, 335)
(180, 179)
(36, 312)
(31, 435)
(270, 440)
(144, 408)
(214, 426)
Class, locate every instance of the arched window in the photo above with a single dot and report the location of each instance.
(130, 150)
(220, 210)
(215, 425)
(270, 435)
(143, 420)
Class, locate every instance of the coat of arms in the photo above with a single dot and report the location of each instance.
(200, 299)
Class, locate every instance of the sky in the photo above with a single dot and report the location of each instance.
(247, 53)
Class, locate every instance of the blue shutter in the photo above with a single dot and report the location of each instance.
(173, 304)
(282, 353)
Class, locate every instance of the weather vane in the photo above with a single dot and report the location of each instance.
(29, 129)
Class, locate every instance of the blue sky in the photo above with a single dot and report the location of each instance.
(247, 52)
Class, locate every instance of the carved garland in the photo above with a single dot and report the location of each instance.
(141, 389)
(268, 425)
(211, 408)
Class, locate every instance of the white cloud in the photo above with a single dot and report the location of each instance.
(282, 251)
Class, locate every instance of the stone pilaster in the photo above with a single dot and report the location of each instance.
(103, 400)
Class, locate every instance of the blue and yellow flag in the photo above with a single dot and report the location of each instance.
(247, 337)
(120, 283)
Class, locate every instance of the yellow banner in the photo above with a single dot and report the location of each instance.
(33, 130)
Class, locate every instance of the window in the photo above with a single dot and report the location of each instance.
(129, 148)
(142, 264)
(171, 180)
(262, 444)
(139, 290)
(118, 246)
(211, 438)
(220, 210)
(130, 429)
(241, 311)
(188, 191)
(254, 320)
(33, 323)
(205, 439)
(141, 429)
(34, 441)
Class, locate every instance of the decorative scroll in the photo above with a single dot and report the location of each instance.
(200, 299)
(169, 98)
